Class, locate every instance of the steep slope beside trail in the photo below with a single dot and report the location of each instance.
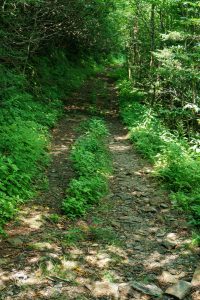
(134, 235)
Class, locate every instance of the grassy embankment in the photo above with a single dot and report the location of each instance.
(32, 104)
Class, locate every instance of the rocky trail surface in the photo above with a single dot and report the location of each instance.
(134, 245)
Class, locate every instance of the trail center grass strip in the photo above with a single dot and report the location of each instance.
(92, 163)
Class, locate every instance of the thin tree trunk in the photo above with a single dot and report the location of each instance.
(152, 22)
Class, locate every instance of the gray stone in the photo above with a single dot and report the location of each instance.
(196, 277)
(150, 209)
(170, 241)
(149, 289)
(173, 271)
(139, 248)
(115, 224)
(163, 205)
(105, 289)
(179, 290)
(136, 238)
(169, 244)
(124, 290)
(15, 241)
(20, 276)
(141, 232)
(167, 277)
(3, 261)
(160, 234)
(172, 236)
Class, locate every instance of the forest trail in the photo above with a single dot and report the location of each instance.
(133, 236)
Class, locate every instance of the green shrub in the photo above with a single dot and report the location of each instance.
(178, 168)
(95, 126)
(23, 156)
(74, 207)
(128, 94)
(89, 189)
(190, 202)
(88, 155)
(56, 76)
(146, 131)
(24, 106)
(175, 163)
(7, 208)
(117, 72)
(74, 236)
(30, 104)
(92, 164)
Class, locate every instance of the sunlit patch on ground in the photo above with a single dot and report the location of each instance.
(119, 148)
(33, 219)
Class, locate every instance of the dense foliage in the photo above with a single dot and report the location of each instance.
(47, 50)
(175, 162)
(163, 58)
(91, 162)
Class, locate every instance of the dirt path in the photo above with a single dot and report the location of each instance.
(134, 235)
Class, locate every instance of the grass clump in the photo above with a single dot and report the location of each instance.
(175, 162)
(91, 161)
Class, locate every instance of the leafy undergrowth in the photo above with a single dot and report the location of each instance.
(31, 104)
(175, 162)
(57, 76)
(91, 161)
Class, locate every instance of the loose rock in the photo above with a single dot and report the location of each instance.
(150, 210)
(139, 248)
(168, 244)
(163, 205)
(3, 261)
(124, 290)
(179, 290)
(2, 285)
(149, 289)
(105, 289)
(196, 277)
(15, 241)
(115, 224)
(167, 277)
